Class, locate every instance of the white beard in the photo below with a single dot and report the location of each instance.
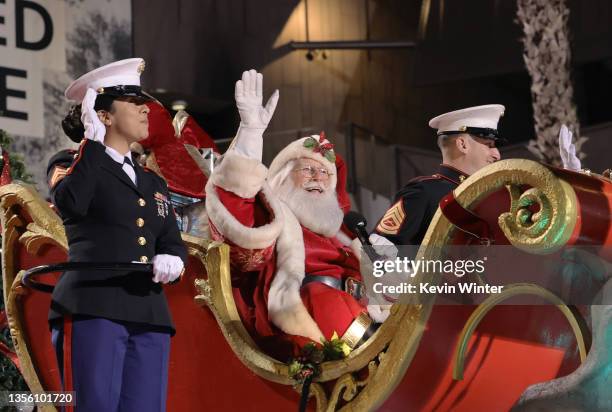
(319, 212)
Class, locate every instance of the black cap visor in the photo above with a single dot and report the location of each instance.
(132, 94)
(481, 132)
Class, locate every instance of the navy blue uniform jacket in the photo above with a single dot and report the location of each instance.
(407, 220)
(109, 219)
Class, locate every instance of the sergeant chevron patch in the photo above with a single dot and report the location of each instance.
(391, 222)
(58, 174)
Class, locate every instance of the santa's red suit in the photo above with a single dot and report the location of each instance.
(271, 253)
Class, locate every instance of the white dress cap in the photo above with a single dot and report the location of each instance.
(485, 117)
(120, 73)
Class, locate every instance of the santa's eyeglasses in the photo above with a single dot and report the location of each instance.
(311, 172)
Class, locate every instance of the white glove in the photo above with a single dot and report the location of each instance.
(379, 313)
(166, 268)
(383, 246)
(388, 251)
(94, 129)
(567, 150)
(379, 307)
(254, 118)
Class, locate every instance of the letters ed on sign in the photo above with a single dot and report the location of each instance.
(31, 40)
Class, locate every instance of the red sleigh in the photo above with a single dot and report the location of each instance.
(408, 364)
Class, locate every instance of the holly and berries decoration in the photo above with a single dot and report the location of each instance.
(322, 146)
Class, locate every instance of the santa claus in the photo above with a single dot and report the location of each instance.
(294, 272)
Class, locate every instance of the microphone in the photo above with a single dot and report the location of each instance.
(356, 223)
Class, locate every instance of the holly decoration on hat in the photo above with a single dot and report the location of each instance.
(326, 149)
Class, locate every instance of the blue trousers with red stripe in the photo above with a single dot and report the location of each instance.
(113, 365)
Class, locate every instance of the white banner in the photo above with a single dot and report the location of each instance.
(32, 38)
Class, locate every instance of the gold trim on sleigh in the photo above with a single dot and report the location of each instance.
(27, 218)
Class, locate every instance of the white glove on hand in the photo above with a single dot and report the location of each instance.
(379, 313)
(387, 250)
(567, 150)
(383, 246)
(254, 118)
(94, 129)
(166, 268)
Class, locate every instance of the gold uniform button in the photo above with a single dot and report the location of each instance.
(140, 222)
(142, 241)
(144, 259)
(141, 202)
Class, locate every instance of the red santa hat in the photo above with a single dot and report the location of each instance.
(318, 148)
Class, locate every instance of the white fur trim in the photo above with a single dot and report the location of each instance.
(240, 175)
(285, 307)
(296, 150)
(246, 237)
(344, 238)
(276, 181)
